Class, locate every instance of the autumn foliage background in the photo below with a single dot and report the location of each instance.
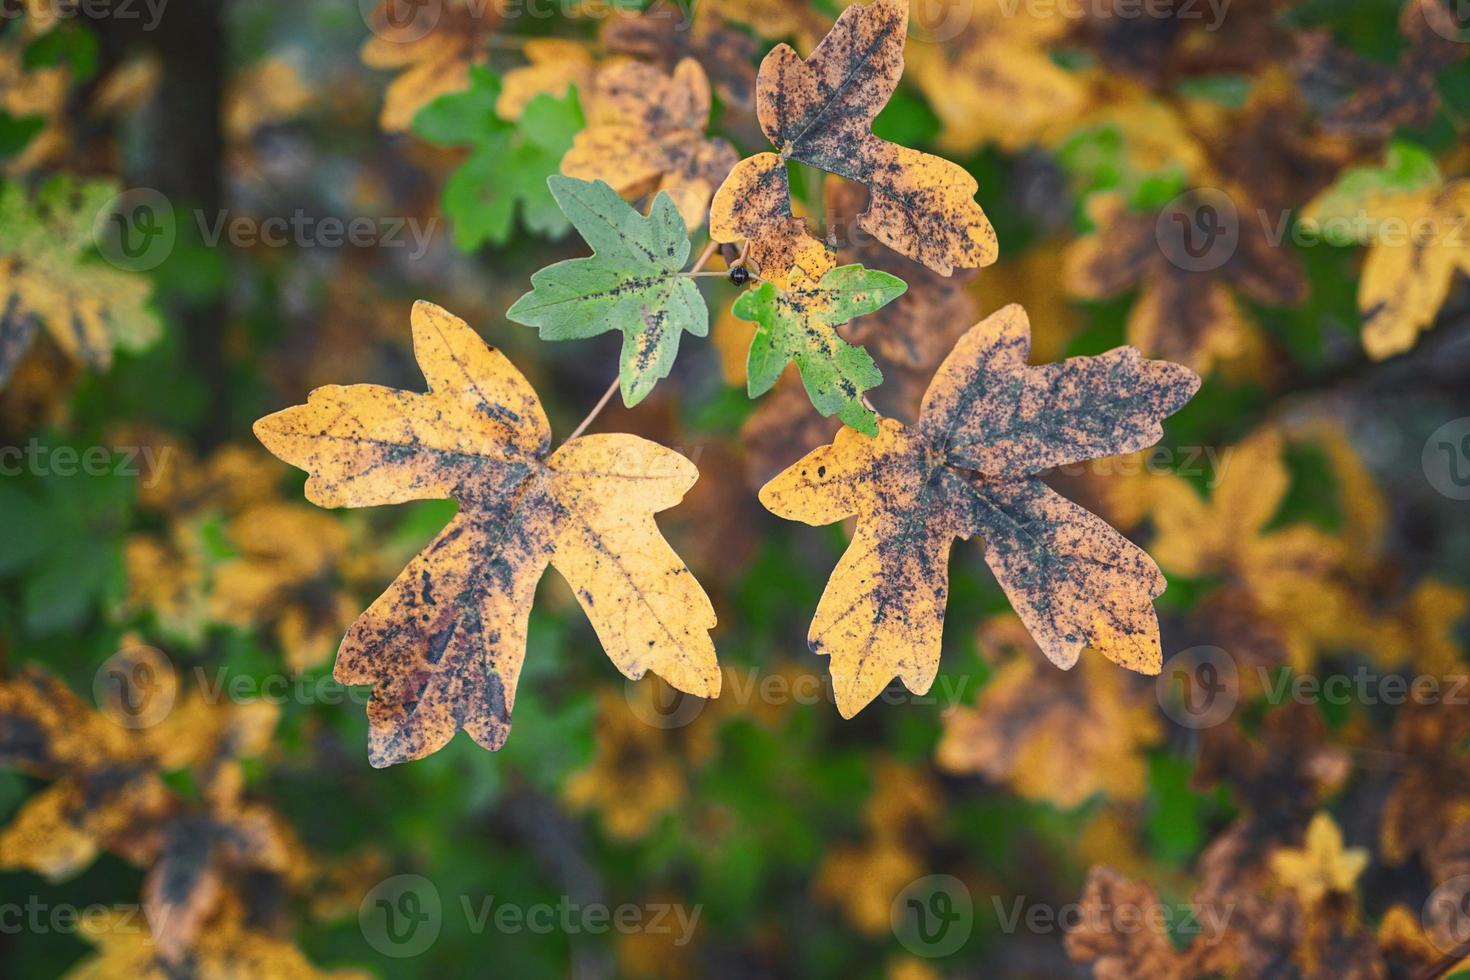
(1298, 774)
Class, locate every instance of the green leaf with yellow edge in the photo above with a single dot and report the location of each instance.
(800, 325)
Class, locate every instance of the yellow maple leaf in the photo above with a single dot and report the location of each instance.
(1322, 866)
(645, 133)
(443, 645)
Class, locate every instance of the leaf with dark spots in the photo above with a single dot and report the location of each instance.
(448, 659)
(820, 112)
(634, 282)
(799, 325)
(989, 425)
(646, 132)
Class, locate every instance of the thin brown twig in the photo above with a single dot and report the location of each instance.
(703, 258)
(596, 411)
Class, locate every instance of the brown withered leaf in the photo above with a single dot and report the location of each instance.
(819, 112)
(665, 35)
(1269, 147)
(1430, 795)
(1054, 736)
(1386, 98)
(989, 424)
(645, 133)
(1183, 312)
(1122, 934)
(433, 63)
(443, 645)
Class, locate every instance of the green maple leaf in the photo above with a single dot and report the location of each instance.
(634, 282)
(508, 162)
(801, 325)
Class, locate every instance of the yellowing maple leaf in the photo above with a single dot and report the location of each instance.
(994, 81)
(47, 280)
(645, 133)
(819, 112)
(434, 63)
(989, 424)
(1288, 572)
(1322, 865)
(443, 645)
(556, 65)
(1414, 223)
(635, 779)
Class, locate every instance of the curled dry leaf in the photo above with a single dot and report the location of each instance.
(820, 112)
(645, 133)
(443, 645)
(989, 424)
(1387, 98)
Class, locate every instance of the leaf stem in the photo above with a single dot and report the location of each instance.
(704, 257)
(596, 411)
